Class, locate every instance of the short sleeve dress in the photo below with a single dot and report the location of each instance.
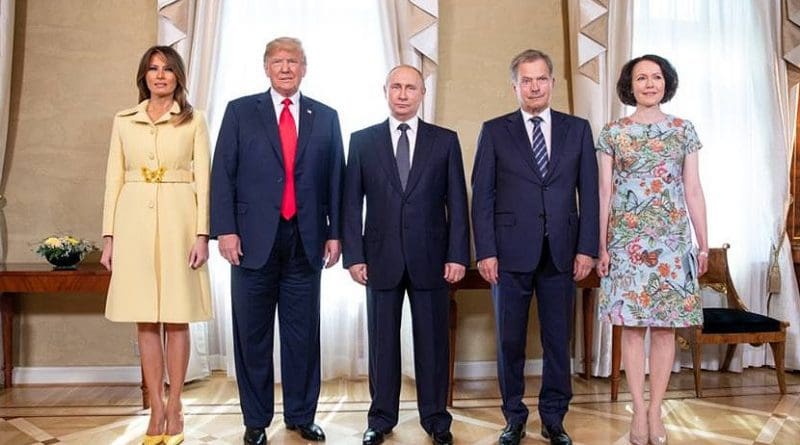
(652, 279)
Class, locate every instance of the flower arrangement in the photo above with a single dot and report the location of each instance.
(64, 251)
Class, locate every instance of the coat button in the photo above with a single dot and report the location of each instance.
(279, 180)
(150, 204)
(151, 155)
(152, 131)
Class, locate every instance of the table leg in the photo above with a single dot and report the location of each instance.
(7, 310)
(453, 326)
(588, 330)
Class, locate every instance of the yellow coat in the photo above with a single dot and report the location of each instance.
(156, 203)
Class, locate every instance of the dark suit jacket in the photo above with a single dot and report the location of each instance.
(420, 229)
(247, 177)
(512, 204)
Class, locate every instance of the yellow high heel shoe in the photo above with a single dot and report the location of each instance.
(153, 440)
(175, 439)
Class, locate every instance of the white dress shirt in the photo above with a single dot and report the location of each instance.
(413, 123)
(546, 125)
(294, 108)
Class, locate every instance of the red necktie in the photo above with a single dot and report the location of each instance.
(288, 133)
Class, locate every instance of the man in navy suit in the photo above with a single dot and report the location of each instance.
(276, 186)
(416, 240)
(532, 234)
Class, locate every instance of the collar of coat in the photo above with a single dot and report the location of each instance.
(139, 112)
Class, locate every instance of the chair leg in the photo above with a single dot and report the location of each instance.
(778, 351)
(697, 360)
(616, 358)
(729, 353)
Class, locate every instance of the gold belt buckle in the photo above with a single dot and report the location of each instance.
(153, 175)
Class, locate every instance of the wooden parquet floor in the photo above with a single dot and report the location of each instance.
(741, 408)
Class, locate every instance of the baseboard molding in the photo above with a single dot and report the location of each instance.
(481, 370)
(44, 375)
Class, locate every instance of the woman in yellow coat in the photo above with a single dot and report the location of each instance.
(155, 230)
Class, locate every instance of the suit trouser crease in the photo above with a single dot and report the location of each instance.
(555, 297)
(430, 315)
(288, 283)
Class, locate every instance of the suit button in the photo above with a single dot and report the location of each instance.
(150, 204)
(546, 188)
(279, 180)
(541, 216)
(152, 131)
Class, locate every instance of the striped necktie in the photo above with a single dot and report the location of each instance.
(539, 147)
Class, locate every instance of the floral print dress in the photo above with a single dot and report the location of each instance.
(652, 279)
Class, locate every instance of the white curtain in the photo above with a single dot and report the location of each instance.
(411, 37)
(600, 43)
(190, 26)
(347, 66)
(733, 88)
(6, 53)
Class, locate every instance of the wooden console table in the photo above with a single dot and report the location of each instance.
(473, 281)
(18, 278)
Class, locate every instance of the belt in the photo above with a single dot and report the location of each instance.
(159, 175)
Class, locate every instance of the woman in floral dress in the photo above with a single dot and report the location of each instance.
(649, 190)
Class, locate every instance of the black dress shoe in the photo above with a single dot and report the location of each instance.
(309, 431)
(512, 434)
(255, 436)
(372, 437)
(443, 438)
(557, 435)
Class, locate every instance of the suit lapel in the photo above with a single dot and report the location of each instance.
(306, 112)
(519, 135)
(382, 138)
(269, 121)
(422, 152)
(558, 134)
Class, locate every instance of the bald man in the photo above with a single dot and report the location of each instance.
(415, 241)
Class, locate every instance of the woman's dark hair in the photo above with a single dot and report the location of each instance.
(175, 62)
(625, 82)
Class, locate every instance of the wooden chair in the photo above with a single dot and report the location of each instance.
(734, 324)
(731, 326)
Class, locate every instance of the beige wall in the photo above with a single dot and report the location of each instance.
(74, 62)
(74, 66)
(476, 45)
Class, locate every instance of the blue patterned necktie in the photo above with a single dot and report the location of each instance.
(539, 147)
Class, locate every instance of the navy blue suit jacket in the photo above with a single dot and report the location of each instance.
(512, 203)
(418, 230)
(247, 177)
